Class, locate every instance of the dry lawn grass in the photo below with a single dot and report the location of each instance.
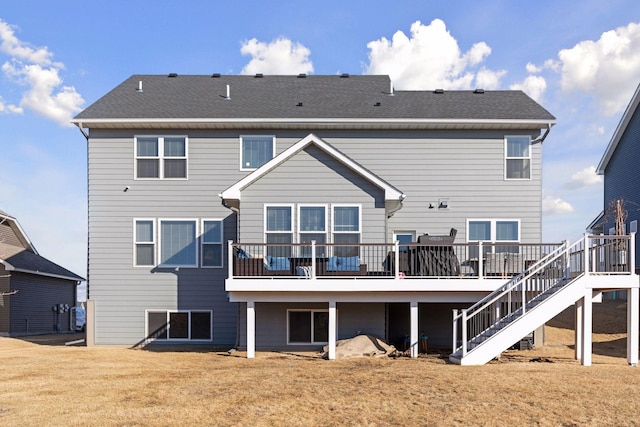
(43, 384)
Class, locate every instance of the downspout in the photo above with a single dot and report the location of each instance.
(86, 136)
(543, 137)
(236, 344)
(389, 215)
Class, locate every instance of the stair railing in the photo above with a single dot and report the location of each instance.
(591, 254)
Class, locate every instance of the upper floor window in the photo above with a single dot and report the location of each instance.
(517, 157)
(161, 157)
(313, 226)
(256, 150)
(346, 229)
(279, 229)
(211, 243)
(178, 243)
(145, 243)
(494, 231)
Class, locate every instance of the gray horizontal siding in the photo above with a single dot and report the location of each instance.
(466, 168)
(31, 307)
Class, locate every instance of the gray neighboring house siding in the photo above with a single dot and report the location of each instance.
(427, 162)
(620, 166)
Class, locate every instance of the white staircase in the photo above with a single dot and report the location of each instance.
(531, 299)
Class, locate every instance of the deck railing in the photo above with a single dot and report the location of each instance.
(384, 260)
(610, 255)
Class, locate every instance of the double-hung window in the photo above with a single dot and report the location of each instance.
(500, 232)
(517, 157)
(256, 150)
(161, 157)
(307, 326)
(278, 226)
(312, 226)
(211, 243)
(145, 243)
(346, 229)
(178, 247)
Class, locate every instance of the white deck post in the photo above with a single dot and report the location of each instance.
(480, 262)
(230, 258)
(578, 329)
(632, 325)
(414, 329)
(587, 327)
(332, 330)
(251, 330)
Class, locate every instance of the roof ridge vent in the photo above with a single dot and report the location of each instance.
(215, 75)
(438, 91)
(302, 76)
(259, 75)
(172, 75)
(344, 75)
(479, 90)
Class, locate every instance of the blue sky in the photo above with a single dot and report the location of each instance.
(580, 60)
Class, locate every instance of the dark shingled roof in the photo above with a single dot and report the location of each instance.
(295, 97)
(23, 259)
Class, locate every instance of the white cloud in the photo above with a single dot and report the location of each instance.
(533, 69)
(534, 86)
(429, 59)
(35, 70)
(584, 178)
(607, 68)
(19, 49)
(281, 56)
(9, 108)
(555, 206)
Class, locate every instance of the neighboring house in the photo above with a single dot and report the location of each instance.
(285, 212)
(35, 294)
(620, 166)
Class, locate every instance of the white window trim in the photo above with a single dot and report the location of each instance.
(312, 310)
(136, 243)
(530, 158)
(160, 157)
(273, 154)
(493, 222)
(293, 219)
(202, 242)
(167, 311)
(159, 246)
(347, 205)
(405, 232)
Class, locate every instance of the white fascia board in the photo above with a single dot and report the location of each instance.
(620, 129)
(20, 230)
(234, 192)
(57, 276)
(83, 123)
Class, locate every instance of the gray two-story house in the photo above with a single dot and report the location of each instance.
(288, 212)
(620, 168)
(37, 296)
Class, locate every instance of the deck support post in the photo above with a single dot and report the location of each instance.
(251, 330)
(633, 317)
(332, 330)
(414, 329)
(578, 329)
(587, 327)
